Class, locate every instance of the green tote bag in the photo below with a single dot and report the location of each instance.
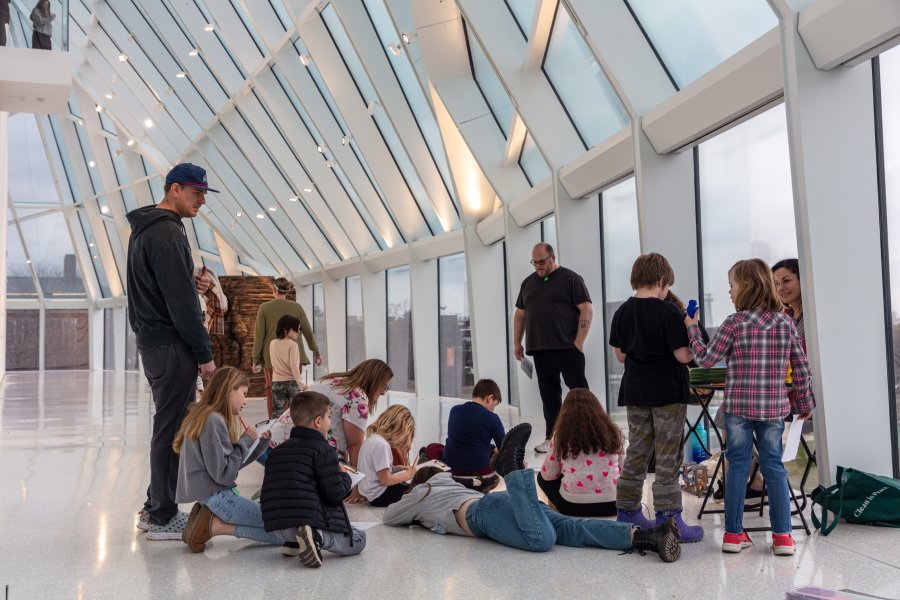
(858, 497)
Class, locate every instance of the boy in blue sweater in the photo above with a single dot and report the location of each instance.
(470, 429)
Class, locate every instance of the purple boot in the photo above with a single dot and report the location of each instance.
(636, 518)
(687, 534)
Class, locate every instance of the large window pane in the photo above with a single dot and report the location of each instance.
(52, 256)
(399, 330)
(66, 343)
(319, 329)
(746, 204)
(532, 162)
(572, 69)
(19, 277)
(30, 179)
(523, 11)
(693, 36)
(455, 338)
(621, 245)
(548, 232)
(109, 340)
(489, 83)
(22, 337)
(890, 101)
(356, 337)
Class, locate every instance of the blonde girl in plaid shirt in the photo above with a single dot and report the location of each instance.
(757, 342)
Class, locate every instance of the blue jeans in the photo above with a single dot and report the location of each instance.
(739, 447)
(517, 519)
(243, 513)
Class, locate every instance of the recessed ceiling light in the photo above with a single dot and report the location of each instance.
(209, 27)
(345, 140)
(180, 74)
(193, 52)
(321, 149)
(304, 59)
(108, 96)
(131, 142)
(123, 57)
(329, 164)
(408, 37)
(81, 122)
(98, 108)
(260, 216)
(96, 258)
(395, 49)
(92, 164)
(272, 209)
(148, 123)
(307, 190)
(293, 199)
(27, 261)
(91, 244)
(104, 209)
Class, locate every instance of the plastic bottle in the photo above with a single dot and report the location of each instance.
(698, 454)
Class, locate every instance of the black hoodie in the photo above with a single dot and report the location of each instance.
(162, 297)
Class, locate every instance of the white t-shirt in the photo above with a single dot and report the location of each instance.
(374, 456)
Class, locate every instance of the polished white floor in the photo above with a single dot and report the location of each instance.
(74, 470)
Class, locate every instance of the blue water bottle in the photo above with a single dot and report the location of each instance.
(698, 454)
(692, 308)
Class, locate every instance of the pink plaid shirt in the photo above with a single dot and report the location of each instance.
(757, 346)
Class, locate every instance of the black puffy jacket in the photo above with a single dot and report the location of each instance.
(304, 485)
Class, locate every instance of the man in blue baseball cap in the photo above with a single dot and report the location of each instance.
(171, 338)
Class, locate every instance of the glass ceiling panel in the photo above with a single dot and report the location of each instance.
(30, 179)
(206, 239)
(369, 95)
(523, 11)
(71, 182)
(580, 83)
(95, 254)
(532, 162)
(490, 85)
(19, 279)
(52, 256)
(412, 90)
(693, 36)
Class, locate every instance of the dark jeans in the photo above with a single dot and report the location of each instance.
(574, 509)
(390, 495)
(40, 41)
(549, 365)
(171, 370)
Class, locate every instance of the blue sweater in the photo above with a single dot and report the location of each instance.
(470, 429)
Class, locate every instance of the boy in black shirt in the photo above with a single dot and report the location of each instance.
(304, 488)
(649, 337)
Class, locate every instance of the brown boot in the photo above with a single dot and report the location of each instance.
(197, 531)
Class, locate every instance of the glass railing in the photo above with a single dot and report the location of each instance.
(21, 32)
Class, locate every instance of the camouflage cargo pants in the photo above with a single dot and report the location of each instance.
(653, 428)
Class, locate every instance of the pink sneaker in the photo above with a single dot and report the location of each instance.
(735, 542)
(782, 544)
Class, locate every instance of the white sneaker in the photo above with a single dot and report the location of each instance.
(143, 520)
(543, 447)
(170, 531)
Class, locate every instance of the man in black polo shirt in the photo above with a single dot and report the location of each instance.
(554, 313)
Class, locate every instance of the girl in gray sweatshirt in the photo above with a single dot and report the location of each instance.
(214, 445)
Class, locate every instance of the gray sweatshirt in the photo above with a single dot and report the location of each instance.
(431, 504)
(212, 461)
(42, 23)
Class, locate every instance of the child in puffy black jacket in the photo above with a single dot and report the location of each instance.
(304, 488)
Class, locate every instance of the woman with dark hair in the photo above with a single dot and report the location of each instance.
(42, 25)
(586, 455)
(285, 357)
(787, 284)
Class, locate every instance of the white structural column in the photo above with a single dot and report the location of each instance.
(4, 201)
(830, 117)
(374, 305)
(423, 278)
(335, 294)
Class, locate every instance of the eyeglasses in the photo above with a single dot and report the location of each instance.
(541, 261)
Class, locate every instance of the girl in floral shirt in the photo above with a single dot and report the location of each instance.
(586, 455)
(758, 342)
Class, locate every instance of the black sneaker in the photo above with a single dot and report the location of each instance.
(290, 549)
(662, 539)
(511, 455)
(310, 555)
(719, 494)
(752, 494)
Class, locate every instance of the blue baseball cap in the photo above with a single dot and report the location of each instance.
(189, 174)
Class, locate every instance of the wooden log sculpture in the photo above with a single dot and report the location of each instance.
(235, 348)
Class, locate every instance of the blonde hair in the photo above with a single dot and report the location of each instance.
(396, 425)
(216, 399)
(756, 286)
(371, 376)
